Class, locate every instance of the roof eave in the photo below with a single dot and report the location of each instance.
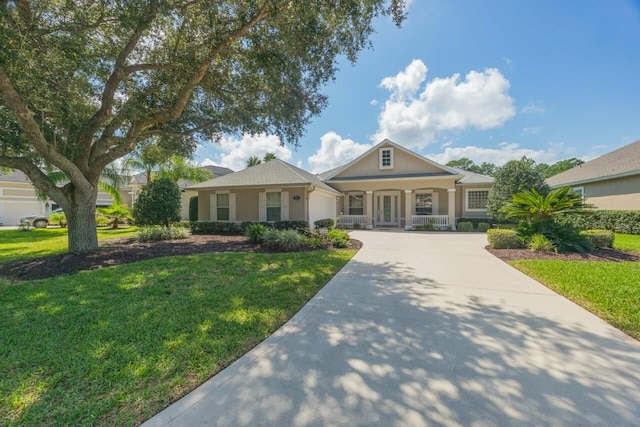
(597, 179)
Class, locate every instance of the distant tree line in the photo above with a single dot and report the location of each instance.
(491, 169)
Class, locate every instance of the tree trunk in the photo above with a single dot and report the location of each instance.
(81, 219)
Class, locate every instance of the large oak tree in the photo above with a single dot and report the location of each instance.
(83, 83)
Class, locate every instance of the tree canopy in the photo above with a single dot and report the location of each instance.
(84, 83)
(491, 169)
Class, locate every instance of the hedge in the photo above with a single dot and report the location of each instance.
(206, 227)
(627, 222)
(193, 208)
(599, 238)
(503, 239)
(475, 221)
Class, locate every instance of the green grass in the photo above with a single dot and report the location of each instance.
(610, 290)
(114, 346)
(627, 242)
(16, 244)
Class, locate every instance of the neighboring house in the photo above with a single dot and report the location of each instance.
(139, 180)
(611, 181)
(388, 186)
(18, 199)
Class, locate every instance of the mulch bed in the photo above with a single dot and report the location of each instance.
(126, 250)
(612, 255)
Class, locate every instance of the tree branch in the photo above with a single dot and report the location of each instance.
(37, 177)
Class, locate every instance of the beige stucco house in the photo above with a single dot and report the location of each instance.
(388, 186)
(611, 181)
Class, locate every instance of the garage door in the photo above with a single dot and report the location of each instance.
(12, 211)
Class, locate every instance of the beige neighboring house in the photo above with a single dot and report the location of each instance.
(388, 186)
(139, 180)
(18, 199)
(611, 181)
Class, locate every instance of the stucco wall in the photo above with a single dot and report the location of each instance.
(461, 202)
(616, 194)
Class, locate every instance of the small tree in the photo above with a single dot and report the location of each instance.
(158, 203)
(253, 161)
(514, 177)
(193, 208)
(118, 213)
(58, 217)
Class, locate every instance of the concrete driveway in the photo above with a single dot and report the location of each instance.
(427, 329)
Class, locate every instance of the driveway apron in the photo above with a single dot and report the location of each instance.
(423, 329)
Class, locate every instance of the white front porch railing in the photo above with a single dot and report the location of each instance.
(438, 221)
(348, 221)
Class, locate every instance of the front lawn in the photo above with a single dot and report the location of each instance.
(17, 244)
(115, 346)
(627, 242)
(610, 290)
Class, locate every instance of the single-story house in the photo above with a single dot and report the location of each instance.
(387, 186)
(18, 199)
(139, 180)
(611, 181)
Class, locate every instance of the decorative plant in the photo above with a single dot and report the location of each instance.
(117, 213)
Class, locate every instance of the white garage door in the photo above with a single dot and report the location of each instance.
(12, 211)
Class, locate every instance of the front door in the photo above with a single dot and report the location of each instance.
(387, 204)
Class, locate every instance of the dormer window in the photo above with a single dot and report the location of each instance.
(386, 158)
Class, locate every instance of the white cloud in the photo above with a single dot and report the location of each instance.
(502, 154)
(335, 151)
(531, 130)
(532, 108)
(234, 153)
(413, 118)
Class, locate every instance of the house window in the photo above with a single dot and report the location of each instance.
(222, 207)
(274, 203)
(477, 199)
(386, 158)
(580, 191)
(424, 203)
(356, 204)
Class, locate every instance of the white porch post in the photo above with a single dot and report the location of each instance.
(452, 207)
(369, 212)
(407, 209)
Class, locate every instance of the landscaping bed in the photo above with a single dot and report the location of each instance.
(614, 255)
(127, 250)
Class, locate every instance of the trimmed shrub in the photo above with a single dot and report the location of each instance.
(599, 238)
(483, 226)
(193, 208)
(156, 233)
(291, 225)
(503, 239)
(476, 221)
(627, 222)
(338, 238)
(282, 240)
(255, 232)
(325, 223)
(205, 227)
(424, 227)
(465, 226)
(539, 243)
(158, 203)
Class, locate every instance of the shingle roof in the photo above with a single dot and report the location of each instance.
(621, 162)
(274, 172)
(472, 177)
(215, 171)
(15, 176)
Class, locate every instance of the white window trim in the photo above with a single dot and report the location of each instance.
(380, 151)
(348, 199)
(228, 207)
(581, 189)
(466, 199)
(414, 200)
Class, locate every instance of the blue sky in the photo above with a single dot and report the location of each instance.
(491, 80)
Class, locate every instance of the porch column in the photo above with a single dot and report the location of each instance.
(452, 207)
(369, 208)
(407, 208)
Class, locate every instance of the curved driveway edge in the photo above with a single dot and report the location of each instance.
(427, 329)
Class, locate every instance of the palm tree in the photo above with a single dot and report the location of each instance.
(268, 157)
(177, 168)
(531, 205)
(253, 161)
(118, 213)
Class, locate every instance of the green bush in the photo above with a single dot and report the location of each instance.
(102, 220)
(627, 222)
(205, 227)
(476, 221)
(156, 233)
(483, 226)
(599, 238)
(539, 243)
(503, 239)
(424, 227)
(325, 223)
(315, 242)
(282, 240)
(465, 226)
(255, 232)
(58, 218)
(158, 203)
(193, 208)
(183, 224)
(300, 226)
(338, 238)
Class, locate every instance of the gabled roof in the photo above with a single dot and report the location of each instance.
(215, 171)
(273, 173)
(14, 176)
(327, 176)
(624, 161)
